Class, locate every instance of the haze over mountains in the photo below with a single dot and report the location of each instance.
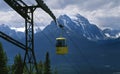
(91, 50)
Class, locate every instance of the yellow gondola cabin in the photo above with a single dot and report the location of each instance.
(61, 46)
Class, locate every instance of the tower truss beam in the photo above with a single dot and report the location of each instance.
(17, 7)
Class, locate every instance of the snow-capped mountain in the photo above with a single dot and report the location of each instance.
(82, 27)
(78, 25)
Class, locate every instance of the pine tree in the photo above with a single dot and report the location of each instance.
(40, 67)
(17, 67)
(47, 65)
(3, 61)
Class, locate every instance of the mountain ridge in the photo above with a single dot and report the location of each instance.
(78, 24)
(87, 54)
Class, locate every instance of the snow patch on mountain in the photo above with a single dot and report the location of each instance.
(111, 33)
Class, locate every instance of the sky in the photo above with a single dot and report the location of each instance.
(103, 13)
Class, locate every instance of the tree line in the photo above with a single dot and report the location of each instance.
(18, 66)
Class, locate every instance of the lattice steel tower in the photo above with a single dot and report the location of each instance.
(27, 12)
